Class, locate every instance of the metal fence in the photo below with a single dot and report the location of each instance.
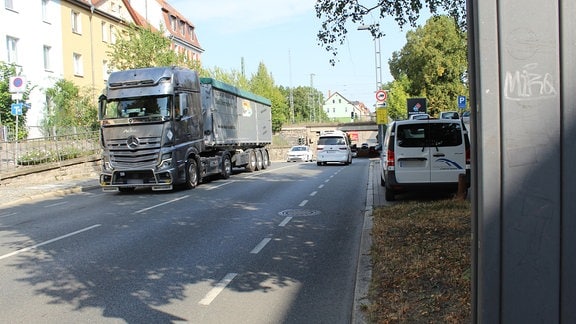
(15, 155)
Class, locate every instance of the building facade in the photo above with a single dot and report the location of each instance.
(340, 109)
(75, 38)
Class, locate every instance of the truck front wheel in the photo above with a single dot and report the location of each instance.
(192, 174)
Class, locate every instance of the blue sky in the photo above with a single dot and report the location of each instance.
(282, 35)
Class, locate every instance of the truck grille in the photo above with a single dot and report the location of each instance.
(142, 152)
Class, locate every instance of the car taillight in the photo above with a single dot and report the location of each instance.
(343, 148)
(468, 158)
(390, 158)
(319, 148)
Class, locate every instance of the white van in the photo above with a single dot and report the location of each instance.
(424, 154)
(333, 146)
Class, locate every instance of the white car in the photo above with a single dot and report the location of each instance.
(301, 153)
(333, 147)
(419, 116)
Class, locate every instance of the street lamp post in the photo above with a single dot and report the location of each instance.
(378, 66)
(377, 55)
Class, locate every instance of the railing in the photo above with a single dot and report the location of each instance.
(47, 150)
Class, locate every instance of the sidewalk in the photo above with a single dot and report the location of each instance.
(13, 194)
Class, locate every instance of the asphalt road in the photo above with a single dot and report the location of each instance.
(275, 246)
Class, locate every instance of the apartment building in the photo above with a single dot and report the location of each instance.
(70, 39)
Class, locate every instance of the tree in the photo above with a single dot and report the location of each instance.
(336, 15)
(143, 47)
(397, 95)
(262, 84)
(68, 107)
(435, 61)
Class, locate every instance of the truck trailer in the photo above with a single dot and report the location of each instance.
(165, 127)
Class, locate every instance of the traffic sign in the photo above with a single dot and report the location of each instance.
(381, 95)
(17, 84)
(16, 109)
(462, 102)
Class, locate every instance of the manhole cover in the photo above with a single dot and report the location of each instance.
(299, 212)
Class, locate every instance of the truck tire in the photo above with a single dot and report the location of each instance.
(259, 160)
(265, 159)
(226, 167)
(192, 174)
(251, 166)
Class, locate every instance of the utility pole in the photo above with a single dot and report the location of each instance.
(291, 99)
(311, 100)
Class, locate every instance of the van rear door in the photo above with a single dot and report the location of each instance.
(411, 152)
(447, 151)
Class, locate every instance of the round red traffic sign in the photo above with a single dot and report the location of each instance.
(381, 95)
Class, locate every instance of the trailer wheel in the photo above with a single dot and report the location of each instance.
(259, 160)
(226, 167)
(251, 166)
(192, 174)
(265, 159)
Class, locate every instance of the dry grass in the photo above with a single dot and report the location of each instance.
(421, 263)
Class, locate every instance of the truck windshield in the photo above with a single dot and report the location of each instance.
(152, 106)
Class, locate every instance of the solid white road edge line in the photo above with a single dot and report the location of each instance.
(261, 245)
(162, 204)
(48, 242)
(214, 292)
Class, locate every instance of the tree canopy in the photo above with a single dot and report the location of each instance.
(336, 15)
(434, 60)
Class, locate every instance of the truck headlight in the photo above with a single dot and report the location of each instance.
(165, 160)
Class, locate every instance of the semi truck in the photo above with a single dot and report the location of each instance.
(165, 127)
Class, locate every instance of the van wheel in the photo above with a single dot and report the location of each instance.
(192, 174)
(389, 194)
(226, 167)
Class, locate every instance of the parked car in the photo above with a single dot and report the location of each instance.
(333, 146)
(419, 116)
(424, 155)
(449, 115)
(301, 153)
(466, 117)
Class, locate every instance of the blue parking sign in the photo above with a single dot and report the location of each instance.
(462, 102)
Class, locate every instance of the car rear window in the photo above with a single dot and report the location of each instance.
(429, 135)
(331, 140)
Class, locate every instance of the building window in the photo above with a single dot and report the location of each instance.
(191, 32)
(105, 69)
(47, 58)
(78, 67)
(12, 49)
(45, 12)
(9, 4)
(182, 27)
(76, 22)
(173, 23)
(104, 31)
(333, 110)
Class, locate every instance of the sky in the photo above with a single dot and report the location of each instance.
(282, 35)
